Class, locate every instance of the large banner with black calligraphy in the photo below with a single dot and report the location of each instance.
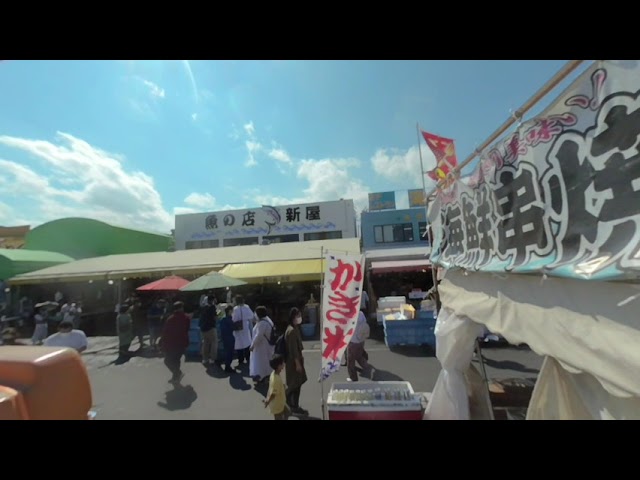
(340, 307)
(559, 196)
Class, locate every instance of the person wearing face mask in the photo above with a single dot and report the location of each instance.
(68, 337)
(296, 374)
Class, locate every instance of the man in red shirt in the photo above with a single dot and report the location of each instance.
(175, 340)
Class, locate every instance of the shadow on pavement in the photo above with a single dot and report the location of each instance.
(508, 365)
(262, 389)
(216, 372)
(180, 398)
(414, 351)
(238, 382)
(121, 360)
(385, 376)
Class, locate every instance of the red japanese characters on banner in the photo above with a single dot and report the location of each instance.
(340, 307)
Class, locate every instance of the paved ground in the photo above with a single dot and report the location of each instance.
(138, 389)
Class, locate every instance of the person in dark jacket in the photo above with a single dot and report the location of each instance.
(228, 339)
(175, 340)
(208, 317)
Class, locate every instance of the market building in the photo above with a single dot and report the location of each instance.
(278, 275)
(396, 248)
(13, 237)
(266, 225)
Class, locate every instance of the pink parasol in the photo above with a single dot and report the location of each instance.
(167, 284)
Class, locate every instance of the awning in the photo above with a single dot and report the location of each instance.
(184, 262)
(400, 266)
(283, 271)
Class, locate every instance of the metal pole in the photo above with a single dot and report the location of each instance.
(517, 115)
(434, 276)
(485, 377)
(321, 321)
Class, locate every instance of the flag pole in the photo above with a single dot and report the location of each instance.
(321, 322)
(428, 232)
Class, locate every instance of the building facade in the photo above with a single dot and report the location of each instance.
(387, 229)
(266, 224)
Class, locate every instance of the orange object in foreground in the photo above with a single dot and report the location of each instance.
(51, 383)
(12, 405)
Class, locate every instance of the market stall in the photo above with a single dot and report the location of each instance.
(547, 253)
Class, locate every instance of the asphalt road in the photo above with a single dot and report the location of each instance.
(139, 389)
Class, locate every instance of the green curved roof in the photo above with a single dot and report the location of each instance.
(17, 261)
(86, 238)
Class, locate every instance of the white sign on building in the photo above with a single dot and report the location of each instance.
(251, 226)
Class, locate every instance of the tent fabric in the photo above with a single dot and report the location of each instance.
(183, 262)
(18, 261)
(455, 339)
(562, 395)
(287, 268)
(400, 266)
(590, 327)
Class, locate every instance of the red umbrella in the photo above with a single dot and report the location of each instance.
(167, 284)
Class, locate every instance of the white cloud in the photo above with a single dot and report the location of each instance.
(194, 116)
(280, 155)
(154, 89)
(403, 166)
(250, 129)
(327, 179)
(200, 200)
(5, 213)
(97, 185)
(253, 147)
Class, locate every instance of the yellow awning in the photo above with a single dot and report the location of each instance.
(283, 271)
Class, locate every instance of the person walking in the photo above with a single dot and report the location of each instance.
(276, 400)
(296, 374)
(355, 349)
(175, 340)
(208, 317)
(228, 340)
(242, 326)
(124, 329)
(261, 348)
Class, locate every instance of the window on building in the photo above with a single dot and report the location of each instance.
(322, 235)
(294, 237)
(236, 242)
(211, 243)
(422, 227)
(195, 244)
(398, 233)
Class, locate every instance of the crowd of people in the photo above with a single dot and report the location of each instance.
(249, 336)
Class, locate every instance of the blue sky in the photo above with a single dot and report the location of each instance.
(136, 142)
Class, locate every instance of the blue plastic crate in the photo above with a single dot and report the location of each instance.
(419, 331)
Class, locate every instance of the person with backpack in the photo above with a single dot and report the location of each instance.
(294, 361)
(242, 322)
(262, 347)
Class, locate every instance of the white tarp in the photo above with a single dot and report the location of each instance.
(562, 395)
(591, 327)
(455, 338)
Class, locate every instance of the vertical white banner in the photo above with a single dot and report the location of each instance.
(341, 297)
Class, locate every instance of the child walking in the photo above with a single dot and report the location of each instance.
(276, 399)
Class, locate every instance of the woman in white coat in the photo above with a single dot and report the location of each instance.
(242, 323)
(261, 348)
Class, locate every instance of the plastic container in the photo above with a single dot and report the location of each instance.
(308, 330)
(374, 401)
(419, 331)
